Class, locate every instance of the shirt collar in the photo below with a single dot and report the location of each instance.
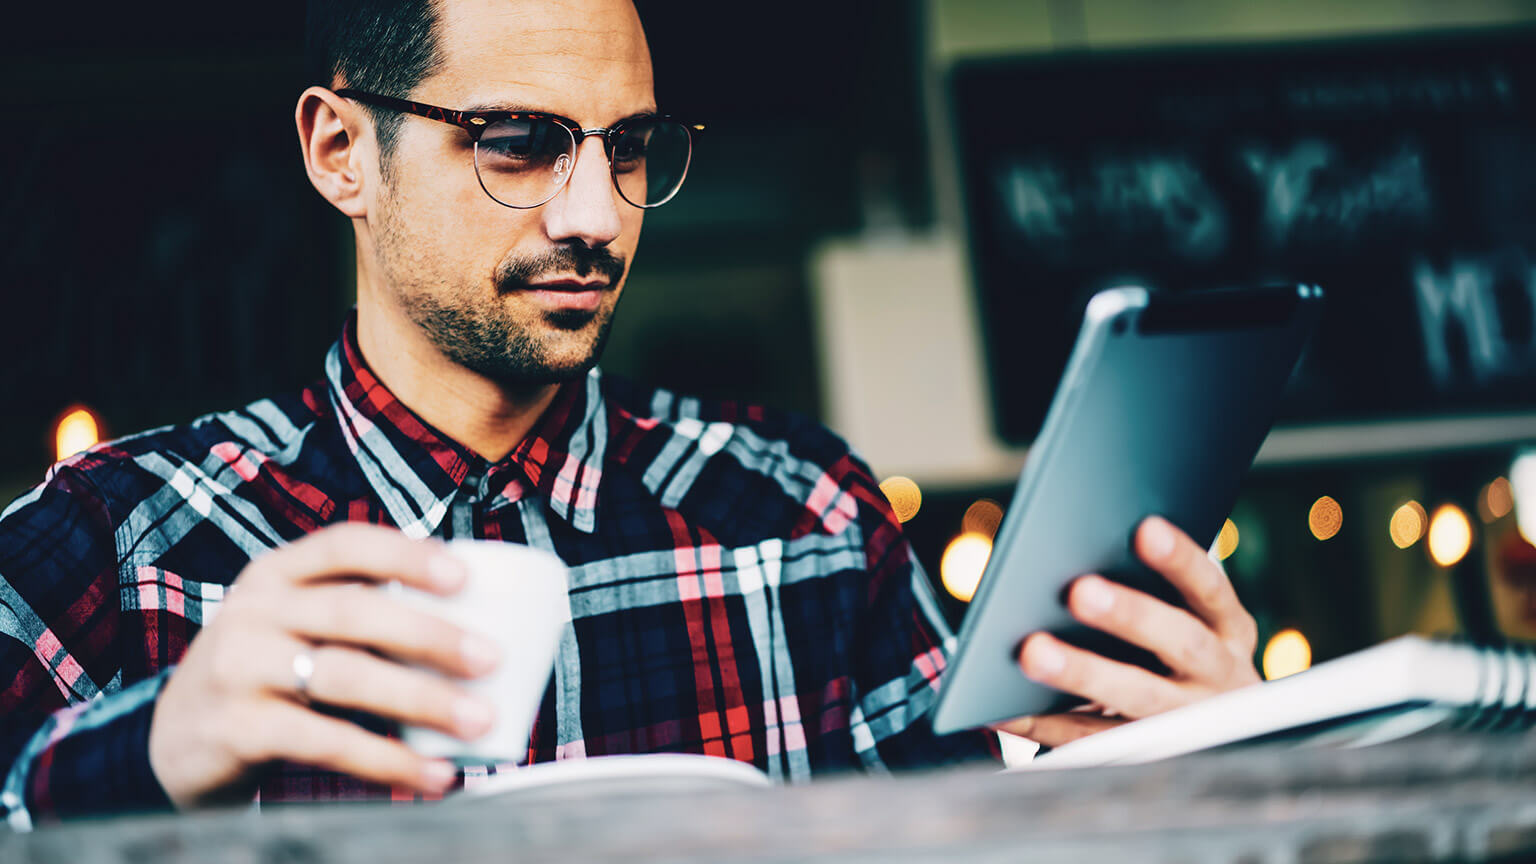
(416, 471)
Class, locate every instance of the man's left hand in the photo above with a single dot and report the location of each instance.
(1207, 648)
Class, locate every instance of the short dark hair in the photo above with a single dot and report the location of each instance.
(379, 46)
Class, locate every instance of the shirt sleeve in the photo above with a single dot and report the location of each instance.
(904, 643)
(74, 740)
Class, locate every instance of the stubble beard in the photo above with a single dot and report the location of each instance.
(475, 329)
(486, 339)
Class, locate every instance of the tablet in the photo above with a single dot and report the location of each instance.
(1162, 407)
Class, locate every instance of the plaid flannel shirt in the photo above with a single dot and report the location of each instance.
(739, 586)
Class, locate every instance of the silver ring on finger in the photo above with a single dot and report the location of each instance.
(303, 672)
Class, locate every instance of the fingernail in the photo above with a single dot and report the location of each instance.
(471, 717)
(1159, 537)
(1095, 596)
(1046, 660)
(447, 572)
(480, 654)
(438, 774)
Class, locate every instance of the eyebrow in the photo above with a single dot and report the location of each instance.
(528, 109)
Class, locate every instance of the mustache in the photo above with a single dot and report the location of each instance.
(518, 273)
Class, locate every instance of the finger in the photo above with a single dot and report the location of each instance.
(1185, 644)
(365, 616)
(348, 678)
(283, 730)
(1120, 687)
(361, 551)
(1200, 580)
(1054, 730)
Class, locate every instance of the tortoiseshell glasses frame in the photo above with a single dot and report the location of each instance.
(522, 162)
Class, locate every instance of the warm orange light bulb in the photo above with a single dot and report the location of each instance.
(1227, 540)
(905, 497)
(1497, 499)
(982, 518)
(963, 563)
(1287, 653)
(1407, 525)
(1450, 535)
(1325, 518)
(77, 430)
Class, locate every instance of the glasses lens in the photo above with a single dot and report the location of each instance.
(523, 163)
(650, 159)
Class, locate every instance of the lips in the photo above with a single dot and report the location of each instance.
(568, 294)
(569, 285)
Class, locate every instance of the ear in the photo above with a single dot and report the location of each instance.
(335, 149)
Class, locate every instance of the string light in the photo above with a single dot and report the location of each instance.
(1325, 518)
(1408, 524)
(905, 496)
(1287, 653)
(1450, 535)
(964, 560)
(1226, 541)
(76, 431)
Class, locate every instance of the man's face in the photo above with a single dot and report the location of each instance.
(524, 297)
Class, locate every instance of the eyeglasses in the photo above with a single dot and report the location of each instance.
(524, 159)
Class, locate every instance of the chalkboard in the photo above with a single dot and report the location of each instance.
(1399, 174)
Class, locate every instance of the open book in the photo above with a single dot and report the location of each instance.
(642, 774)
(1398, 688)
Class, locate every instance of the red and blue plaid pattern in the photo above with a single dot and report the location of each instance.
(739, 586)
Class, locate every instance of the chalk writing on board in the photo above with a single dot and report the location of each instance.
(1477, 315)
(1163, 197)
(1398, 175)
(1304, 186)
(1304, 189)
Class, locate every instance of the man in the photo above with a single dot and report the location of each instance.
(739, 586)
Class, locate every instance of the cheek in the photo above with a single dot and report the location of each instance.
(631, 219)
(440, 188)
(460, 234)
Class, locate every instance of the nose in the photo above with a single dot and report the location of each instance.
(587, 210)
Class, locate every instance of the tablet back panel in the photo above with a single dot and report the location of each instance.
(1162, 408)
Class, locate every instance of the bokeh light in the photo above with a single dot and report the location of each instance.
(1496, 500)
(964, 560)
(1325, 518)
(1408, 524)
(1287, 653)
(982, 518)
(906, 499)
(1226, 541)
(1522, 485)
(77, 430)
(1450, 535)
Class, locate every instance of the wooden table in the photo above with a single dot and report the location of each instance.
(1445, 798)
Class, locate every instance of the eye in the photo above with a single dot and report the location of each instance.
(629, 151)
(519, 144)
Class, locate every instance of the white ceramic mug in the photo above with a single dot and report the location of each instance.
(517, 596)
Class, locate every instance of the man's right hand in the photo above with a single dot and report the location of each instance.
(233, 704)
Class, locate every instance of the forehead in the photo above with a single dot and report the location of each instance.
(585, 59)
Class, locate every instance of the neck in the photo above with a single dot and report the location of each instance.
(473, 410)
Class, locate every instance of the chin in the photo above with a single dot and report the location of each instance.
(574, 349)
(564, 366)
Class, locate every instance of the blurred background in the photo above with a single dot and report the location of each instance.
(893, 221)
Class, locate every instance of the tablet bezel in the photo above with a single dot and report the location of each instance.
(1132, 346)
